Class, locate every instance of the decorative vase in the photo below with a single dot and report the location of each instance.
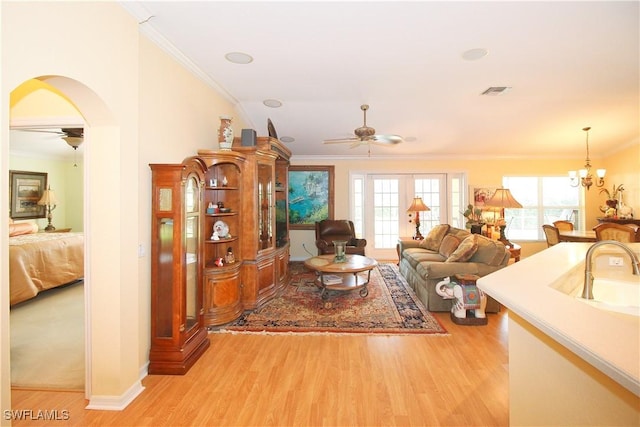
(225, 133)
(340, 247)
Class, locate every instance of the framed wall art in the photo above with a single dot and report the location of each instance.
(479, 195)
(311, 195)
(25, 189)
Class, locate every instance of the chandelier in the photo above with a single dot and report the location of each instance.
(586, 178)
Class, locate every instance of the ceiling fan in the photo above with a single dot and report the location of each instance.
(366, 135)
(73, 136)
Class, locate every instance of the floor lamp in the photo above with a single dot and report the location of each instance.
(417, 206)
(502, 199)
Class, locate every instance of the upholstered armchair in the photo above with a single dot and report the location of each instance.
(329, 230)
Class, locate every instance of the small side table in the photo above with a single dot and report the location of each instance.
(469, 301)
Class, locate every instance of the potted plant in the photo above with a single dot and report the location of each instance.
(474, 219)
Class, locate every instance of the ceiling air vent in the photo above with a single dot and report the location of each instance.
(496, 90)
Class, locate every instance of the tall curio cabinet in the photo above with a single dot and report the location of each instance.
(178, 335)
(223, 213)
(265, 241)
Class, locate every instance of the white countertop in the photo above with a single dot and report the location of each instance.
(608, 341)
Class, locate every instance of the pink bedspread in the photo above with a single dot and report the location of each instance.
(43, 261)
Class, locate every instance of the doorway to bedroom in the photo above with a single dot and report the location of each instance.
(48, 329)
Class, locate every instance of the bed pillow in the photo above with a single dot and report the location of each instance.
(435, 236)
(465, 250)
(20, 228)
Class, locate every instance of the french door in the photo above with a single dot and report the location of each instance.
(384, 200)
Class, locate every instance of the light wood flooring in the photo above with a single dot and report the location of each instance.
(318, 380)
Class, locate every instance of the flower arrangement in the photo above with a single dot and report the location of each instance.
(614, 193)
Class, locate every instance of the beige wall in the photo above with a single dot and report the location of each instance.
(140, 107)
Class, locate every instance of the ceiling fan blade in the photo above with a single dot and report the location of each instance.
(340, 140)
(73, 132)
(386, 139)
(52, 131)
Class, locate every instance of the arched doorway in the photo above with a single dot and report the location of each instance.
(48, 330)
(99, 122)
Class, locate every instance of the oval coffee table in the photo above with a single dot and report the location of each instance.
(341, 276)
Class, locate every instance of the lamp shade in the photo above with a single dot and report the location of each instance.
(418, 205)
(48, 198)
(502, 198)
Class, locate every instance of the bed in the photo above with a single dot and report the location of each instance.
(41, 261)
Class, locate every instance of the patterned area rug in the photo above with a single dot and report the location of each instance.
(391, 307)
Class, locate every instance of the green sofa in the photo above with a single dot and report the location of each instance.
(447, 251)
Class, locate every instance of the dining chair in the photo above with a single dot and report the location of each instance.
(563, 225)
(552, 234)
(625, 233)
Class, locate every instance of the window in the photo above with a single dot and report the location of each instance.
(544, 200)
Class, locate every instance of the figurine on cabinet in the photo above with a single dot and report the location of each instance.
(220, 231)
(230, 258)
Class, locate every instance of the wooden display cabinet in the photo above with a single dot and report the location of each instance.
(223, 205)
(178, 335)
(265, 232)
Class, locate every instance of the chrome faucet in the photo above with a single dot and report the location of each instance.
(587, 290)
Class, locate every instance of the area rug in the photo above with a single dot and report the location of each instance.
(47, 340)
(391, 307)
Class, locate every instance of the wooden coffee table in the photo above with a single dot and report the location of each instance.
(345, 273)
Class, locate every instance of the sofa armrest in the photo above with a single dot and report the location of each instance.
(406, 244)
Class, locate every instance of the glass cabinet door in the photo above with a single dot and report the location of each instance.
(265, 199)
(192, 236)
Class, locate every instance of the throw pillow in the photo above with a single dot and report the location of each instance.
(434, 238)
(465, 250)
(449, 245)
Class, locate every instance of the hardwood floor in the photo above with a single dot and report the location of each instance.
(318, 380)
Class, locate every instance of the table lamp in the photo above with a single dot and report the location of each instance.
(502, 199)
(49, 200)
(418, 206)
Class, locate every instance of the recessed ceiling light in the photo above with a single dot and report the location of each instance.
(474, 54)
(238, 58)
(273, 103)
(287, 139)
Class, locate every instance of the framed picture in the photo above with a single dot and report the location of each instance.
(25, 189)
(310, 195)
(479, 195)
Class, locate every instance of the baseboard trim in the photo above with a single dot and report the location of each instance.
(115, 403)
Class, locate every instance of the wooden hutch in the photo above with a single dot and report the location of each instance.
(202, 276)
(265, 245)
